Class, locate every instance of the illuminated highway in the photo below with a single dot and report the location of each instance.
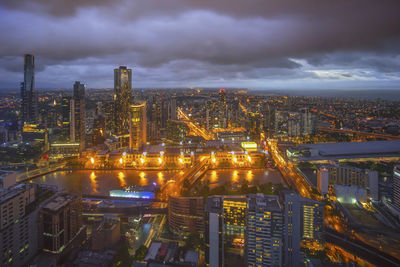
(193, 127)
(292, 177)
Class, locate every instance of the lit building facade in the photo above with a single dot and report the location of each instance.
(312, 220)
(137, 126)
(122, 103)
(264, 232)
(348, 175)
(66, 117)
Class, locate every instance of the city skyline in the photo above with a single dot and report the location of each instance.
(268, 45)
(199, 133)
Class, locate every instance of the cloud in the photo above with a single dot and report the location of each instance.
(199, 41)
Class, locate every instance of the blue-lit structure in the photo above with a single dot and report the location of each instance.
(134, 192)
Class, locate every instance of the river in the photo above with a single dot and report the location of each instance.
(101, 182)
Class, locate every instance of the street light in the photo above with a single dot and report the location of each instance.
(92, 160)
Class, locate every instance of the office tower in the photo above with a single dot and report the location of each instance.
(137, 126)
(65, 117)
(303, 222)
(29, 107)
(122, 101)
(306, 122)
(396, 187)
(62, 226)
(292, 234)
(186, 214)
(18, 225)
(264, 232)
(234, 208)
(78, 114)
(214, 232)
(225, 227)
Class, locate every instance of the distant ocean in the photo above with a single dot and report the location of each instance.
(387, 94)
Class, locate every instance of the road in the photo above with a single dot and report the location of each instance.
(193, 127)
(289, 173)
(361, 249)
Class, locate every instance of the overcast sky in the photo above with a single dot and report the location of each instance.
(203, 43)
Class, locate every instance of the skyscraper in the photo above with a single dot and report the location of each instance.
(264, 233)
(122, 103)
(214, 232)
(225, 227)
(306, 122)
(137, 126)
(292, 235)
(29, 108)
(396, 187)
(65, 117)
(18, 224)
(78, 113)
(61, 218)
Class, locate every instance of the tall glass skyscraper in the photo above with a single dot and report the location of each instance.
(78, 113)
(122, 99)
(29, 108)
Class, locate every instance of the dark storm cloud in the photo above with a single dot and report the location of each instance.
(196, 41)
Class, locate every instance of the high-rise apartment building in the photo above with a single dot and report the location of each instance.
(312, 220)
(78, 114)
(306, 122)
(29, 106)
(396, 187)
(122, 103)
(291, 205)
(18, 225)
(137, 126)
(303, 221)
(264, 232)
(62, 226)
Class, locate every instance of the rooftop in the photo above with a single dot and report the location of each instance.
(8, 193)
(349, 149)
(58, 202)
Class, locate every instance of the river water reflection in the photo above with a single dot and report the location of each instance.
(101, 182)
